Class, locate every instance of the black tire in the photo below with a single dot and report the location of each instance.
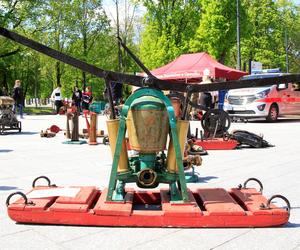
(105, 140)
(20, 127)
(273, 113)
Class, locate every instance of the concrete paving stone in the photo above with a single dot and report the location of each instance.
(9, 227)
(28, 240)
(193, 239)
(62, 234)
(264, 239)
(120, 238)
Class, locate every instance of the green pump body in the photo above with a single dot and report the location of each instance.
(148, 117)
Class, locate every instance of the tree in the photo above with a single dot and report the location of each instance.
(216, 33)
(169, 26)
(90, 23)
(267, 23)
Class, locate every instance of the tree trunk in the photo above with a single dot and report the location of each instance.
(58, 73)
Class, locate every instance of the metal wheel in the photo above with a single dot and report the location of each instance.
(215, 122)
(105, 140)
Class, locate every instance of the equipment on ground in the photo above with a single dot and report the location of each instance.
(207, 207)
(8, 120)
(246, 138)
(91, 126)
(72, 127)
(91, 132)
(148, 117)
(215, 124)
(47, 134)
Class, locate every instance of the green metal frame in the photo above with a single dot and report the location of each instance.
(121, 135)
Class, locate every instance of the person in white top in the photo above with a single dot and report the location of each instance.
(208, 99)
(57, 98)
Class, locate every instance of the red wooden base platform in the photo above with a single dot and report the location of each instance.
(217, 144)
(208, 208)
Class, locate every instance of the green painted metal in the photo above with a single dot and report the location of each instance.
(147, 161)
(178, 193)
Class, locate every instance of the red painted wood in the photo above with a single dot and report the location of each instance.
(217, 144)
(38, 204)
(179, 209)
(253, 200)
(114, 208)
(83, 196)
(222, 211)
(79, 204)
(217, 201)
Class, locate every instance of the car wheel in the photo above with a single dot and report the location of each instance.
(273, 113)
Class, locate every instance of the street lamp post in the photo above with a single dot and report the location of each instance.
(238, 35)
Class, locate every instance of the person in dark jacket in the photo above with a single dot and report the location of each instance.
(77, 98)
(18, 97)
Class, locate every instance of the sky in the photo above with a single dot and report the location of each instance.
(297, 2)
(109, 6)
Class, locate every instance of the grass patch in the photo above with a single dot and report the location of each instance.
(39, 110)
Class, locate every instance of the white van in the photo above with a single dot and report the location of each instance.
(268, 102)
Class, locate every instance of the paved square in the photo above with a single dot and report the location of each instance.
(26, 155)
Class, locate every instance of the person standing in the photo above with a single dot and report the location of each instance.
(18, 98)
(208, 99)
(77, 98)
(57, 98)
(87, 98)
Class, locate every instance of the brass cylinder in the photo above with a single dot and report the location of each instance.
(148, 125)
(113, 127)
(93, 128)
(177, 107)
(182, 129)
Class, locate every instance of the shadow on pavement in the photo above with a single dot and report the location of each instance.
(7, 188)
(5, 150)
(290, 224)
(23, 133)
(206, 179)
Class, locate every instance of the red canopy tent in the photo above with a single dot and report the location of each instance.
(190, 67)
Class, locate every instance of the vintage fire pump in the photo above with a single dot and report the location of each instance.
(149, 119)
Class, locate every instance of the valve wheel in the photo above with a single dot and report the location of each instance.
(215, 121)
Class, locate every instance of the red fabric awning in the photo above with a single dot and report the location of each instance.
(190, 67)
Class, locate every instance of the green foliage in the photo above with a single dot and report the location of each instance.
(212, 28)
(78, 28)
(169, 26)
(265, 39)
(82, 29)
(217, 30)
